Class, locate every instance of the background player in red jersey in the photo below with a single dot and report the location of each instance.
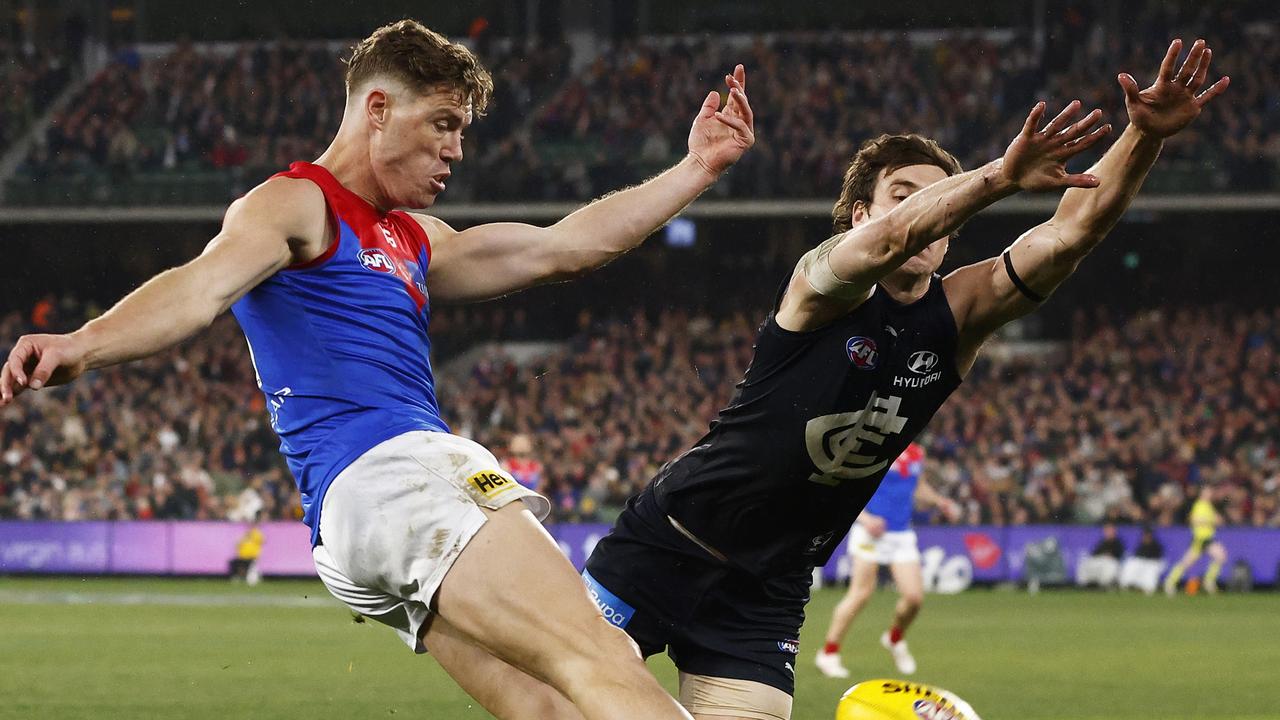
(712, 562)
(504, 605)
(882, 535)
(523, 466)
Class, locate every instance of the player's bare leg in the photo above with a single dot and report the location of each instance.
(512, 592)
(910, 582)
(1217, 558)
(862, 582)
(1189, 558)
(717, 698)
(506, 692)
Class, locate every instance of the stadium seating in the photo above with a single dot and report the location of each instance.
(1141, 411)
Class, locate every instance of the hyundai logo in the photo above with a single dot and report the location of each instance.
(922, 362)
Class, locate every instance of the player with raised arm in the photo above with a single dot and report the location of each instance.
(713, 560)
(882, 535)
(411, 526)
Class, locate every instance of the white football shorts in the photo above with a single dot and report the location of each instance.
(395, 520)
(892, 547)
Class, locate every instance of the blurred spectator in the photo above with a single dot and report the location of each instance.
(1102, 565)
(246, 112)
(525, 468)
(1142, 570)
(31, 81)
(1123, 428)
(556, 135)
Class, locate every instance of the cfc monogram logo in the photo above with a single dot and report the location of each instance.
(490, 483)
(846, 446)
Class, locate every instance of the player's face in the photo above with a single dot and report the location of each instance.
(891, 189)
(419, 138)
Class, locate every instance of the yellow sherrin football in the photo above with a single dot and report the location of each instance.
(901, 700)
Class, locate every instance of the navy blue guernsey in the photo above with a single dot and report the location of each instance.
(812, 429)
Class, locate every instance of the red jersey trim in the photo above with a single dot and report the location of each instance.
(297, 172)
(338, 200)
(419, 232)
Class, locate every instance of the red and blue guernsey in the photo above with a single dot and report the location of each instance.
(895, 497)
(340, 343)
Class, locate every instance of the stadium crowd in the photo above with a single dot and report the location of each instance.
(817, 96)
(556, 135)
(1136, 414)
(31, 81)
(249, 110)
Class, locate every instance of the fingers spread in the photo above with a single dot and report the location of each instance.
(1063, 118)
(1080, 128)
(1129, 86)
(1033, 119)
(1170, 61)
(1080, 145)
(1191, 64)
(1214, 90)
(1202, 72)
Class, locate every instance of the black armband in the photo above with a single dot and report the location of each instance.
(1017, 281)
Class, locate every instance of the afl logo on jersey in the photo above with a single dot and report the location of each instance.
(922, 362)
(376, 260)
(863, 352)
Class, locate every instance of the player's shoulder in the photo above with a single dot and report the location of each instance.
(435, 228)
(281, 201)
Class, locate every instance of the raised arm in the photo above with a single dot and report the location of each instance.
(839, 274)
(926, 494)
(278, 223)
(491, 260)
(986, 295)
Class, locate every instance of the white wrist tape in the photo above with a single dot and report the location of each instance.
(816, 265)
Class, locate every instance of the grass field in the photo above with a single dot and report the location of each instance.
(193, 649)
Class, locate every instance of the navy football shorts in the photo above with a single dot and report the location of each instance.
(712, 619)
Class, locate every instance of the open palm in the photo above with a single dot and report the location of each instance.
(719, 137)
(1036, 160)
(1172, 102)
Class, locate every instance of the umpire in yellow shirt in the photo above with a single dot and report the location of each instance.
(1204, 521)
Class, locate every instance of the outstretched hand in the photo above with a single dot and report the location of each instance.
(719, 137)
(37, 361)
(1171, 103)
(1036, 159)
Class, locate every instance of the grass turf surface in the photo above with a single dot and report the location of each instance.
(205, 649)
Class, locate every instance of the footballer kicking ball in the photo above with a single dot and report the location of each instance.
(901, 700)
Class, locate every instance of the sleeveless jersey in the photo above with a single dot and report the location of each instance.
(813, 427)
(895, 497)
(340, 344)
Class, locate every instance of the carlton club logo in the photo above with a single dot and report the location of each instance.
(377, 260)
(863, 352)
(922, 362)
